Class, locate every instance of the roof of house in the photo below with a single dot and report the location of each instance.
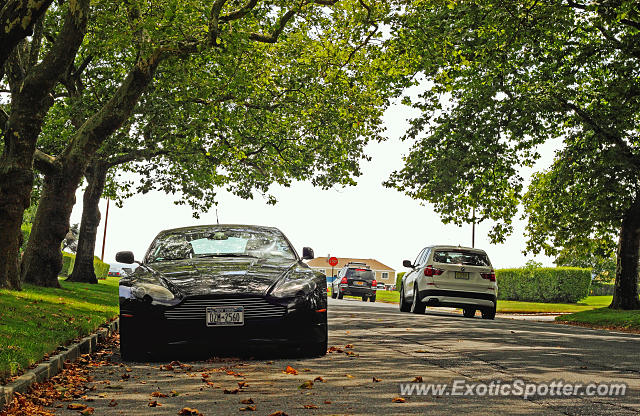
(323, 262)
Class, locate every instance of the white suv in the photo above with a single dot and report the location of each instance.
(459, 277)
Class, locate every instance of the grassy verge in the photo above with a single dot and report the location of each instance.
(605, 318)
(510, 306)
(36, 320)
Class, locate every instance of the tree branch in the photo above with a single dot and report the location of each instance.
(44, 162)
(138, 154)
(280, 25)
(240, 13)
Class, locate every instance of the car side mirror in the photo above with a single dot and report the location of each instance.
(125, 257)
(307, 253)
(407, 263)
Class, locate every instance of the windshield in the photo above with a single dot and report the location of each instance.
(360, 274)
(461, 257)
(217, 242)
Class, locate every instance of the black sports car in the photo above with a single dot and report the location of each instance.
(222, 286)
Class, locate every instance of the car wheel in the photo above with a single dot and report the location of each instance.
(469, 312)
(333, 294)
(130, 346)
(404, 306)
(316, 349)
(489, 313)
(417, 306)
(372, 298)
(364, 298)
(340, 295)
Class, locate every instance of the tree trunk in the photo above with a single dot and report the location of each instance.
(15, 192)
(83, 270)
(42, 260)
(625, 295)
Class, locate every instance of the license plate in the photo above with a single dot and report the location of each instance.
(462, 275)
(359, 283)
(225, 316)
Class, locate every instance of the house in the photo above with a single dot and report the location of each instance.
(383, 273)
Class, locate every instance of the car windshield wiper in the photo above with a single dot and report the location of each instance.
(225, 255)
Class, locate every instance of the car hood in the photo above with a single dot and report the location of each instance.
(223, 276)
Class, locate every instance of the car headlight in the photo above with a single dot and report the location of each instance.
(157, 293)
(292, 288)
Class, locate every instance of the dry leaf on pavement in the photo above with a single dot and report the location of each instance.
(418, 379)
(248, 408)
(376, 380)
(247, 401)
(306, 385)
(290, 370)
(398, 400)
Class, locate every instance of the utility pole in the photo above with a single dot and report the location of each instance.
(473, 228)
(104, 237)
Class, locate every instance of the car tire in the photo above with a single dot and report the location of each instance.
(333, 294)
(364, 298)
(489, 313)
(340, 295)
(130, 346)
(469, 312)
(372, 298)
(404, 306)
(417, 306)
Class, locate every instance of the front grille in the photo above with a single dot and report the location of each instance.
(254, 308)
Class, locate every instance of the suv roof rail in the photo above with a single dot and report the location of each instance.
(357, 263)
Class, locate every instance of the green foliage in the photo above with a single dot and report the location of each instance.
(101, 268)
(604, 318)
(67, 263)
(598, 255)
(399, 277)
(75, 310)
(544, 284)
(504, 77)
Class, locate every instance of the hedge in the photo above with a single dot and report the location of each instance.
(68, 259)
(399, 277)
(544, 284)
(606, 289)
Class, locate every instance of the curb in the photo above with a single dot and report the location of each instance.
(55, 363)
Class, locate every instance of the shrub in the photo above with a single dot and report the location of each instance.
(399, 280)
(603, 289)
(544, 284)
(101, 268)
(67, 263)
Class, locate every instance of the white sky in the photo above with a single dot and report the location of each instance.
(365, 221)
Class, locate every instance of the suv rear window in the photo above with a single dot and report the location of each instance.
(461, 257)
(360, 274)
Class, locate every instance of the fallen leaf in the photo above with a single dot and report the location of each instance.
(88, 411)
(290, 370)
(76, 406)
(279, 413)
(126, 376)
(247, 401)
(234, 391)
(243, 384)
(306, 385)
(187, 411)
(398, 400)
(349, 346)
(158, 394)
(173, 393)
(418, 379)
(248, 408)
(377, 380)
(154, 404)
(348, 375)
(327, 402)
(113, 403)
(310, 406)
(320, 379)
(306, 370)
(421, 351)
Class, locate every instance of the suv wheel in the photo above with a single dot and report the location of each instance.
(364, 298)
(469, 312)
(489, 313)
(372, 298)
(340, 295)
(417, 306)
(334, 294)
(404, 306)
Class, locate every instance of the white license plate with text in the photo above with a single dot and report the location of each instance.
(225, 316)
(462, 275)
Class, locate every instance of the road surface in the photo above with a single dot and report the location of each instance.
(394, 348)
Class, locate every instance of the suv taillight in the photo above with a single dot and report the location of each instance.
(343, 281)
(432, 271)
(491, 276)
(374, 283)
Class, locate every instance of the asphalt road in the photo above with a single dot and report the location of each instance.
(393, 348)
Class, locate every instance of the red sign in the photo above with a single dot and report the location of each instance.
(333, 261)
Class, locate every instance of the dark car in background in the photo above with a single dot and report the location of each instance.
(355, 279)
(227, 286)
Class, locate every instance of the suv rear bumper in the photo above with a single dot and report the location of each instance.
(357, 291)
(457, 299)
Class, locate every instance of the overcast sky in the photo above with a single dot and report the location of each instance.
(364, 221)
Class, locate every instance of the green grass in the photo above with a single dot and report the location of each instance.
(510, 306)
(36, 320)
(605, 318)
